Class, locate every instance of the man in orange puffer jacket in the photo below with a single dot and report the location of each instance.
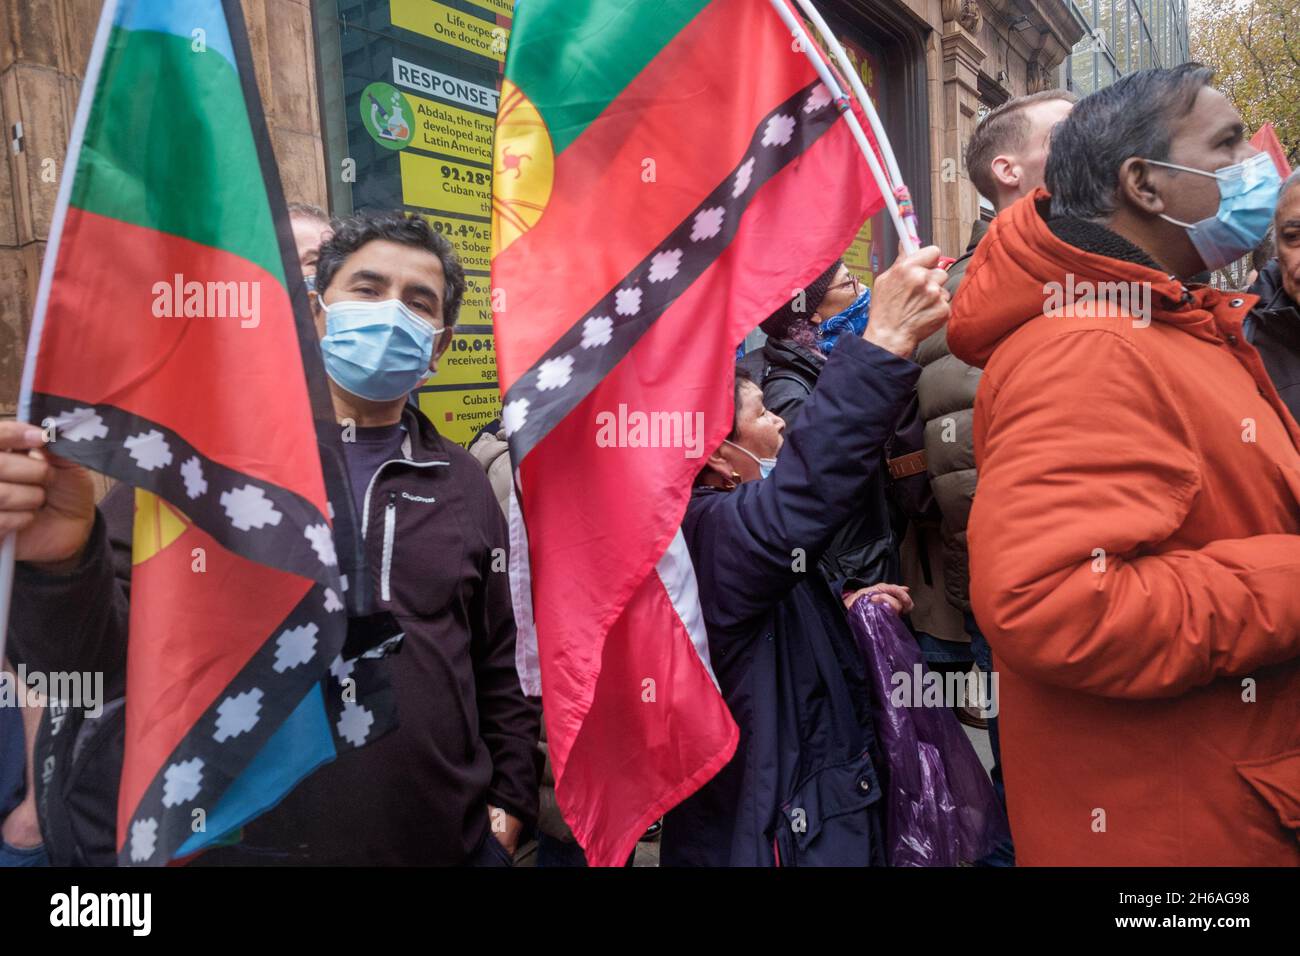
(1135, 539)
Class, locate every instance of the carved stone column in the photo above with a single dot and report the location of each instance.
(958, 203)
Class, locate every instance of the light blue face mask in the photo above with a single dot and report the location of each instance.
(1247, 198)
(377, 350)
(765, 465)
(852, 320)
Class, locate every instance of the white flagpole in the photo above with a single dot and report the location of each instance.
(842, 58)
(88, 85)
(910, 244)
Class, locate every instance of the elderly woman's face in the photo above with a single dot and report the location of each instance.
(843, 291)
(758, 431)
(1286, 223)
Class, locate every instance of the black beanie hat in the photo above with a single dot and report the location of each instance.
(777, 325)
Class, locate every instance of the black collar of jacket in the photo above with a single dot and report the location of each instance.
(422, 442)
(1275, 310)
(786, 353)
(1268, 286)
(1091, 237)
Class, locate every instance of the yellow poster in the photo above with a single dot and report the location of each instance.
(471, 239)
(477, 307)
(453, 190)
(459, 414)
(448, 129)
(506, 7)
(470, 359)
(454, 27)
(444, 185)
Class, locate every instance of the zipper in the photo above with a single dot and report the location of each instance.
(365, 508)
(390, 519)
(386, 566)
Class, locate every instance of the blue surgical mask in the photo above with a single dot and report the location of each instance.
(309, 282)
(853, 319)
(765, 465)
(1247, 198)
(377, 350)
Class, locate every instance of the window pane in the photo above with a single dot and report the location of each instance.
(1105, 24)
(1178, 42)
(1158, 19)
(1175, 51)
(1120, 44)
(1081, 67)
(1134, 38)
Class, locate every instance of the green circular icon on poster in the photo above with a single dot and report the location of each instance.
(387, 116)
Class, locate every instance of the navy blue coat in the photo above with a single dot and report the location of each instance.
(802, 788)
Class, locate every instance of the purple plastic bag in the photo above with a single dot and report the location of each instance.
(941, 808)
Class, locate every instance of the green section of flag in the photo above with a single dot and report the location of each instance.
(169, 146)
(573, 59)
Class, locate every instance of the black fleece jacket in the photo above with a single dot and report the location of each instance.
(467, 736)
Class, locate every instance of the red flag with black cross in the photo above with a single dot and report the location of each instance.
(172, 349)
(667, 174)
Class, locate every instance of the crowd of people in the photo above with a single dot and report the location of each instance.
(1098, 500)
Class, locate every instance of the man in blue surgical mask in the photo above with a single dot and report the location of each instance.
(384, 310)
(455, 783)
(1135, 537)
(388, 293)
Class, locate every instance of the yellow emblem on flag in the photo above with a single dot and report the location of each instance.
(523, 170)
(157, 525)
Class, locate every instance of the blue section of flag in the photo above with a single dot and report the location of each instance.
(301, 744)
(181, 18)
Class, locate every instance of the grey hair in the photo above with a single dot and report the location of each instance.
(1131, 117)
(1289, 183)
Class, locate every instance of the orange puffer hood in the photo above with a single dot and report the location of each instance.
(1021, 270)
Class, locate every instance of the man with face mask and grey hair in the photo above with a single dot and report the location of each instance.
(1135, 542)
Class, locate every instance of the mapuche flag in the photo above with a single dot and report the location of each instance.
(172, 349)
(1265, 140)
(667, 174)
